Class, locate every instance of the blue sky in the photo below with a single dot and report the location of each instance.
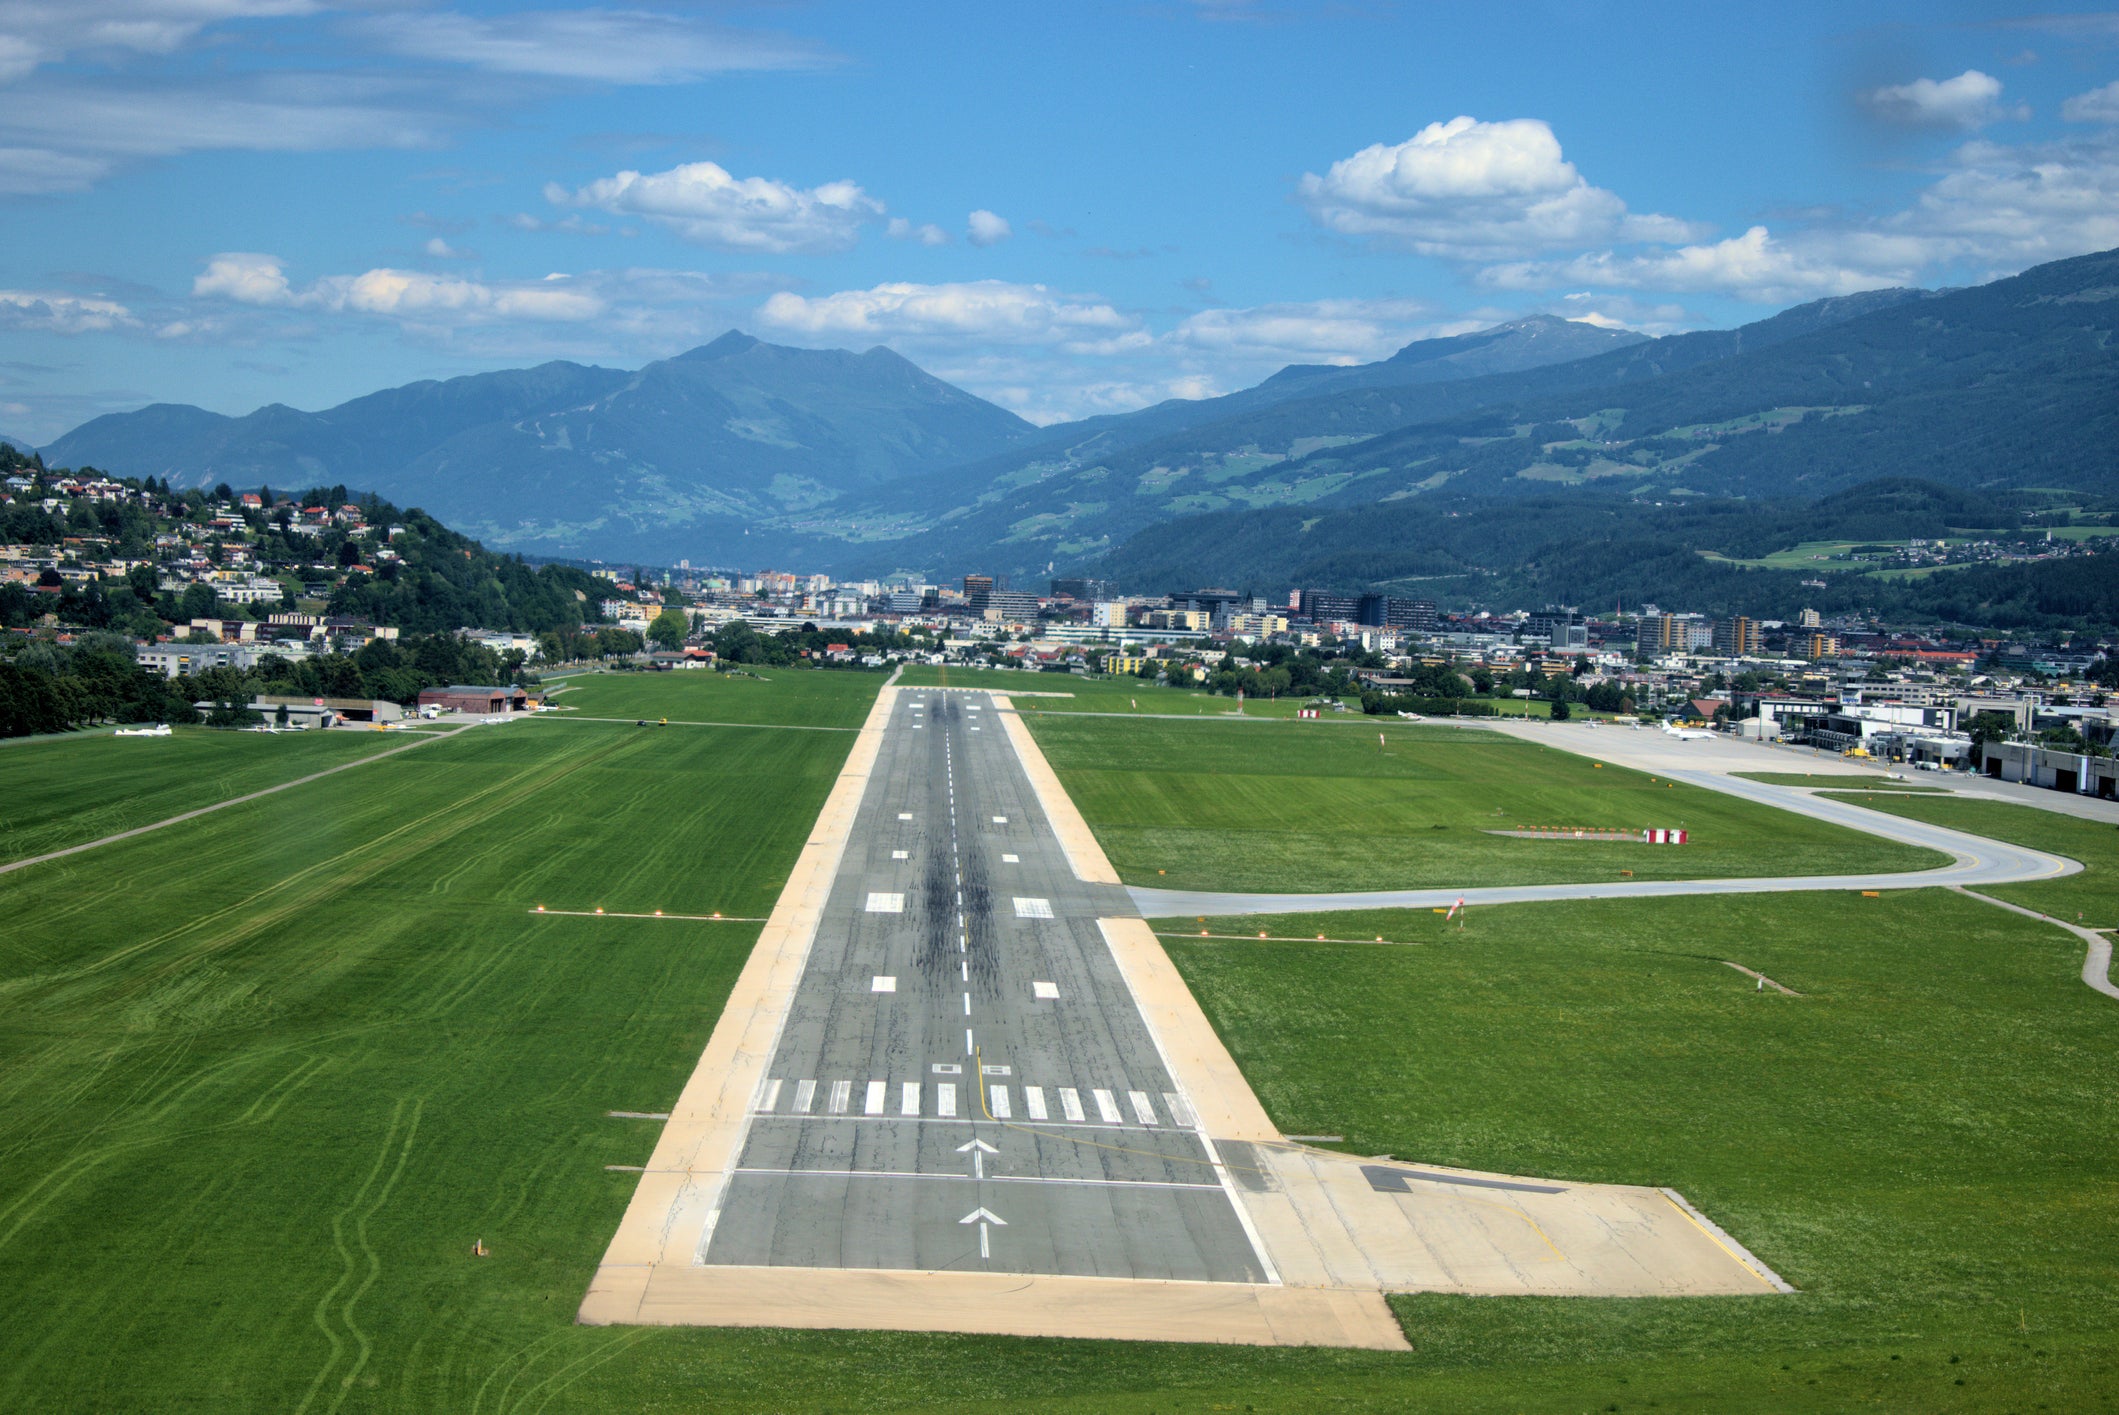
(1068, 209)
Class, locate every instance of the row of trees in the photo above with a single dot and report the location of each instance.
(49, 688)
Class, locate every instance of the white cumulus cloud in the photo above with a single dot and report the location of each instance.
(1992, 209)
(702, 203)
(1967, 102)
(2099, 105)
(1318, 331)
(52, 313)
(926, 233)
(996, 311)
(986, 229)
(1753, 266)
(1474, 190)
(247, 277)
(411, 295)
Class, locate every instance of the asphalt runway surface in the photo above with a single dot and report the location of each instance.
(963, 1081)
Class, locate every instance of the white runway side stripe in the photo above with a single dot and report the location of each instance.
(1034, 1102)
(1143, 1111)
(805, 1095)
(945, 1098)
(878, 1091)
(909, 1098)
(841, 1093)
(1107, 1107)
(1071, 1104)
(771, 1097)
(999, 1095)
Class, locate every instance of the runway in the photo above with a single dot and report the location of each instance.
(959, 1086)
(963, 1081)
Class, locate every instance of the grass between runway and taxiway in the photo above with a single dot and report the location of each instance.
(1287, 807)
(62, 791)
(2093, 894)
(1926, 1142)
(790, 697)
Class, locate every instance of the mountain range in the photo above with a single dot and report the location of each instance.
(748, 453)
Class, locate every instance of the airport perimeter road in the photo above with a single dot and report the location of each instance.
(1976, 861)
(963, 1081)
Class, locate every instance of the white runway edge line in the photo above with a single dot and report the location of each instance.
(1085, 858)
(773, 1003)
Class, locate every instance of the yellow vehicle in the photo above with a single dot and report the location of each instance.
(1862, 752)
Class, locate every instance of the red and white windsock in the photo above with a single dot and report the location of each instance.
(1454, 909)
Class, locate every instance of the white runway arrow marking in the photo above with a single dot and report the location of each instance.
(983, 1217)
(978, 1149)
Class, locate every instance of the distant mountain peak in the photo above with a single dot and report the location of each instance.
(726, 347)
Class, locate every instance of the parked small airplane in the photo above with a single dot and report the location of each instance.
(1686, 734)
(160, 729)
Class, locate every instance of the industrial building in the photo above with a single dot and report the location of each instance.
(478, 700)
(2055, 770)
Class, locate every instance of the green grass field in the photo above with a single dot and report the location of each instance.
(62, 791)
(1301, 807)
(258, 1100)
(1926, 1143)
(795, 697)
(2093, 894)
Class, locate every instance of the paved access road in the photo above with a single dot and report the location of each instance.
(1976, 861)
(963, 1081)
